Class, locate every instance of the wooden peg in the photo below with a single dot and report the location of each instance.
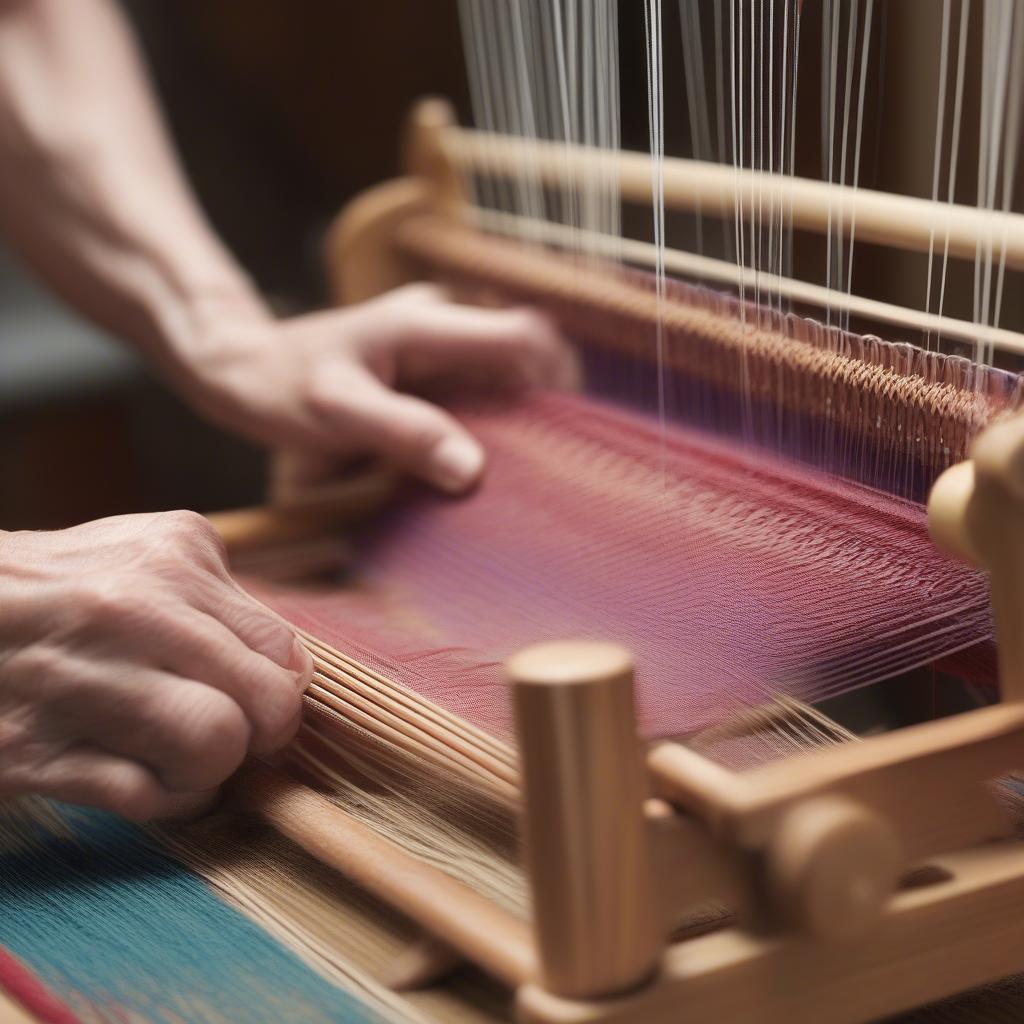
(831, 867)
(584, 786)
(975, 513)
(425, 156)
(947, 512)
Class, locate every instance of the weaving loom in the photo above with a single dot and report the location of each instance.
(737, 500)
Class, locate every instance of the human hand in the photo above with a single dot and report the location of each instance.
(322, 384)
(135, 674)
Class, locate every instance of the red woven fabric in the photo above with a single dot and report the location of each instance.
(731, 575)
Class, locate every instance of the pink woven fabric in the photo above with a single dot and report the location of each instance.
(731, 575)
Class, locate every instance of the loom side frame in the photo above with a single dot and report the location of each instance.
(810, 851)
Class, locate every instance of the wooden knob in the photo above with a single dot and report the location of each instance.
(998, 454)
(571, 663)
(424, 154)
(831, 866)
(947, 512)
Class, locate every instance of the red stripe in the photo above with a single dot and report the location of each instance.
(18, 982)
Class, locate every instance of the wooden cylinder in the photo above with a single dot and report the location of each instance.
(831, 867)
(584, 785)
(947, 512)
(903, 222)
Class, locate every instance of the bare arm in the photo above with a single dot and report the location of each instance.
(93, 197)
(134, 673)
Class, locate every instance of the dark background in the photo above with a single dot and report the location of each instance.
(282, 110)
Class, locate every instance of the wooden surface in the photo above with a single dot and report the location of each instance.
(688, 264)
(587, 856)
(360, 259)
(14, 1013)
(992, 524)
(931, 942)
(927, 780)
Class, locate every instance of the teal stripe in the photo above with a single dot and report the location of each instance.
(107, 920)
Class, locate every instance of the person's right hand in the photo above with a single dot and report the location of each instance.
(135, 674)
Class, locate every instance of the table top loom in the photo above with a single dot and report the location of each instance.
(867, 878)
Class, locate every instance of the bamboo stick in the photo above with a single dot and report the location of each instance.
(904, 222)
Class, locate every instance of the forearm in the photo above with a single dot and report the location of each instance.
(90, 191)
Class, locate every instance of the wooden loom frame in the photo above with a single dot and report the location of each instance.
(810, 851)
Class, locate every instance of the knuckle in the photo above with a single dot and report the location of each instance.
(107, 599)
(187, 528)
(264, 633)
(36, 663)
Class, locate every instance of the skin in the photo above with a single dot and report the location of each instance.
(135, 675)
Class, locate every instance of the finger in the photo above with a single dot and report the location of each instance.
(92, 777)
(521, 345)
(208, 650)
(418, 436)
(259, 628)
(191, 735)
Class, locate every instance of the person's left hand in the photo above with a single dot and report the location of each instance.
(323, 384)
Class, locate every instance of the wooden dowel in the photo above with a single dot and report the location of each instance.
(698, 785)
(478, 929)
(903, 222)
(319, 511)
(709, 269)
(417, 707)
(898, 774)
(587, 852)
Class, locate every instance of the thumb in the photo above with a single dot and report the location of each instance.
(420, 437)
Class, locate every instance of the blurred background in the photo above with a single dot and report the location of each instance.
(284, 109)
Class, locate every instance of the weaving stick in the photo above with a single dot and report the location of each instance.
(309, 515)
(707, 268)
(903, 222)
(478, 929)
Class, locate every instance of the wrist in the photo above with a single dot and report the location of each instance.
(216, 326)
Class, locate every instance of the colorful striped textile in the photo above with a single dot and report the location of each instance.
(112, 929)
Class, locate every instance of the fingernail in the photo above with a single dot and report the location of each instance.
(301, 663)
(456, 462)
